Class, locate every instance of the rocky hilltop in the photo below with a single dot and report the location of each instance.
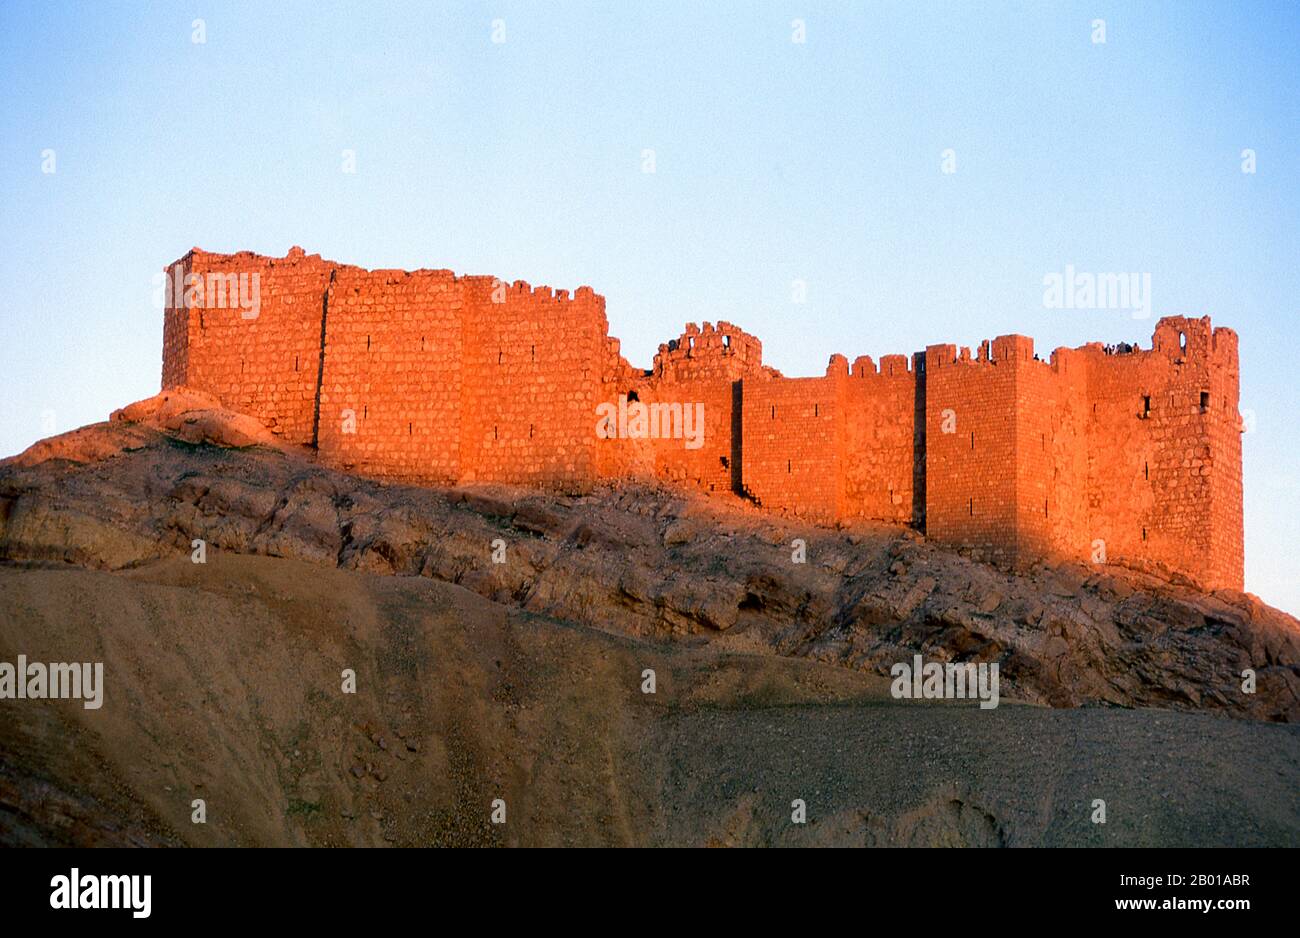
(523, 676)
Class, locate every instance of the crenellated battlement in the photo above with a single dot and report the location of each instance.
(1103, 453)
(722, 351)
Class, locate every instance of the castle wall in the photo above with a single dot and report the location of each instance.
(265, 365)
(1051, 457)
(1110, 455)
(391, 394)
(702, 371)
(881, 446)
(532, 375)
(1224, 428)
(970, 450)
(176, 325)
(616, 457)
(793, 433)
(705, 461)
(1164, 481)
(704, 368)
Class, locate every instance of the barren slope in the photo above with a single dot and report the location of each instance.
(222, 683)
(521, 680)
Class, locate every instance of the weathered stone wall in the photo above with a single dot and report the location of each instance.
(391, 388)
(1100, 454)
(881, 442)
(1164, 451)
(970, 448)
(262, 361)
(532, 365)
(793, 437)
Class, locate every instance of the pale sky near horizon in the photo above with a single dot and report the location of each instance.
(775, 161)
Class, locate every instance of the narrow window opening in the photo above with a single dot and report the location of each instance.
(1205, 402)
(970, 506)
(817, 410)
(367, 343)
(972, 439)
(692, 342)
(726, 341)
(725, 463)
(500, 355)
(530, 431)
(788, 467)
(1146, 470)
(532, 351)
(410, 429)
(1146, 406)
(773, 411)
(1144, 534)
(295, 366)
(494, 433)
(421, 343)
(1044, 508)
(1182, 341)
(365, 411)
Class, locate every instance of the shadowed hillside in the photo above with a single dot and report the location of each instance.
(523, 680)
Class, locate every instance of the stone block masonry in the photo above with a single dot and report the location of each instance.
(1101, 454)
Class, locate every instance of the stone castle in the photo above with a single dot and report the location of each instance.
(1102, 454)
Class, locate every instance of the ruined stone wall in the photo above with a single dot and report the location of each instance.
(1110, 455)
(176, 325)
(532, 375)
(1051, 457)
(702, 368)
(970, 448)
(391, 393)
(616, 457)
(705, 366)
(1164, 452)
(264, 361)
(881, 444)
(793, 439)
(1223, 466)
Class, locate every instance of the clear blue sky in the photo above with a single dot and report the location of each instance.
(775, 161)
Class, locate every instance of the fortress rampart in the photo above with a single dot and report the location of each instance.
(1100, 454)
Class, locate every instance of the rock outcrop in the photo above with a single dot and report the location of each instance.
(651, 563)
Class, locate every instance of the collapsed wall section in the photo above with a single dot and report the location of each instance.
(691, 404)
